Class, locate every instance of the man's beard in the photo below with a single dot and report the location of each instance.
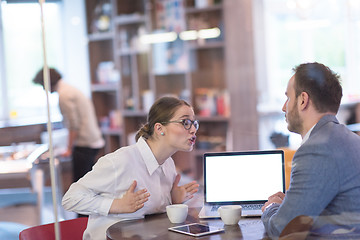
(294, 121)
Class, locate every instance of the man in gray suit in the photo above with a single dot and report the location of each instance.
(325, 174)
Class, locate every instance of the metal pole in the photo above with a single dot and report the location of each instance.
(52, 165)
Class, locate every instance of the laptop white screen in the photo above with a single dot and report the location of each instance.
(243, 177)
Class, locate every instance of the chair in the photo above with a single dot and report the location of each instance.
(297, 229)
(288, 155)
(69, 229)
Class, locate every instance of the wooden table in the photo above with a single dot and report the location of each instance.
(156, 227)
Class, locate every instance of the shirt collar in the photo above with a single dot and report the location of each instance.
(148, 156)
(307, 135)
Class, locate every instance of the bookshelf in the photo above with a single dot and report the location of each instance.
(136, 74)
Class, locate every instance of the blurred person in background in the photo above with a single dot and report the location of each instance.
(84, 139)
(354, 116)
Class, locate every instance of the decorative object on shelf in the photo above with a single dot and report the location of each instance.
(131, 27)
(131, 138)
(106, 72)
(116, 119)
(101, 17)
(212, 102)
(169, 57)
(205, 102)
(223, 103)
(148, 100)
(206, 3)
(104, 122)
(170, 17)
(136, 43)
(129, 103)
(124, 40)
(203, 3)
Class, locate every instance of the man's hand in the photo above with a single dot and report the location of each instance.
(67, 153)
(180, 194)
(275, 198)
(131, 201)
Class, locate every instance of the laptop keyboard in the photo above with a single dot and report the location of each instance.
(251, 206)
(244, 207)
(215, 208)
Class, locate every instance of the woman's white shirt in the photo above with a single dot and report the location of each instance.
(111, 177)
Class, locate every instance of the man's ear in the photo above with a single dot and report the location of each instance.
(304, 100)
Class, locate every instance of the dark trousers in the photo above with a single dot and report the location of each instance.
(83, 159)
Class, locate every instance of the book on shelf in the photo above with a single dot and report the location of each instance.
(212, 102)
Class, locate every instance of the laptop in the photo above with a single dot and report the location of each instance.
(241, 178)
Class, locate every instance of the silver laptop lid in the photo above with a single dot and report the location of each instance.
(243, 177)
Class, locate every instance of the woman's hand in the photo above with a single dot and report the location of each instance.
(180, 194)
(131, 201)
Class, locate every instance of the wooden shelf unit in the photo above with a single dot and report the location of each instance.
(205, 71)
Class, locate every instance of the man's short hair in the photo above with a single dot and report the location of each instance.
(321, 84)
(54, 75)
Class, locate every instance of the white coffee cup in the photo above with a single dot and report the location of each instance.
(230, 214)
(177, 213)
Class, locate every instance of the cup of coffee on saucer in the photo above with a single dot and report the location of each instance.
(177, 213)
(230, 214)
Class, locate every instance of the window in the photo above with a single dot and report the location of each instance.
(298, 31)
(303, 31)
(23, 56)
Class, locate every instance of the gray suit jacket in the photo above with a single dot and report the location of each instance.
(325, 180)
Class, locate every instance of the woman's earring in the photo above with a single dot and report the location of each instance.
(162, 134)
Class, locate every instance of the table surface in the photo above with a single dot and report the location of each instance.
(156, 227)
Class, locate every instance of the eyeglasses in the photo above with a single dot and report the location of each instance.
(187, 123)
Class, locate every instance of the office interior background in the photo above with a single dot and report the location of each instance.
(230, 59)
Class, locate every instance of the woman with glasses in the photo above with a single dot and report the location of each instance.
(139, 179)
